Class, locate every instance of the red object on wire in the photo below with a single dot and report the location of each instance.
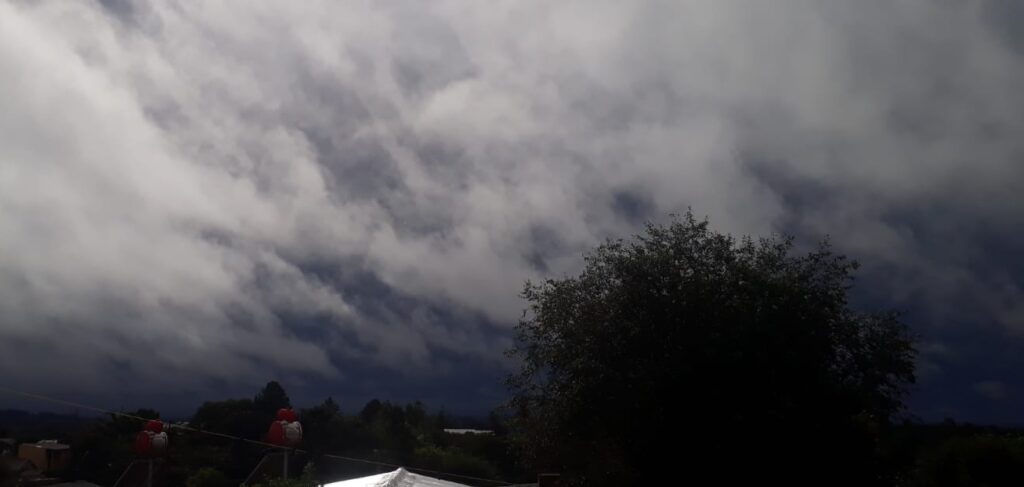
(286, 415)
(276, 433)
(151, 441)
(143, 444)
(154, 426)
(286, 430)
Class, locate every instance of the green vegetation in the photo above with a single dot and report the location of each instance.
(208, 477)
(307, 479)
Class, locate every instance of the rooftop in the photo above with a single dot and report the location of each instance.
(49, 445)
(468, 431)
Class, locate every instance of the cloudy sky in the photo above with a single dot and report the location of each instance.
(196, 197)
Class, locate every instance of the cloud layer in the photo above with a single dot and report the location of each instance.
(193, 194)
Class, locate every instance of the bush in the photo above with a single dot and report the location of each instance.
(987, 460)
(453, 461)
(208, 477)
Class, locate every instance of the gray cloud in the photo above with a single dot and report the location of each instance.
(228, 189)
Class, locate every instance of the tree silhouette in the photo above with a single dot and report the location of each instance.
(271, 398)
(687, 349)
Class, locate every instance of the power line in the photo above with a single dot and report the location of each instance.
(41, 397)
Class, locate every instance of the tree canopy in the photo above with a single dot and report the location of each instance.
(271, 398)
(743, 357)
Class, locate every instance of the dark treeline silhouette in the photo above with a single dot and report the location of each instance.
(680, 357)
(408, 435)
(917, 454)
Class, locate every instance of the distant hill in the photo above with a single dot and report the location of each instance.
(27, 426)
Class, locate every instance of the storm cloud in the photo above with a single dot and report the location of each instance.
(195, 194)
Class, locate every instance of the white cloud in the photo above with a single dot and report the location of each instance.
(170, 173)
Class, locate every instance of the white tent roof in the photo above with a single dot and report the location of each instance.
(398, 478)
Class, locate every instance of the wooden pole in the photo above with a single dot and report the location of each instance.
(285, 464)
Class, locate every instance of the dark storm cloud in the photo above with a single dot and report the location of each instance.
(194, 194)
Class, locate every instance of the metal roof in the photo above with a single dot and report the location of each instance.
(398, 478)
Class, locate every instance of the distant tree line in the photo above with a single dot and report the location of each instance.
(407, 435)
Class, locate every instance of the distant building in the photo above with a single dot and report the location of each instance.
(467, 431)
(399, 477)
(46, 455)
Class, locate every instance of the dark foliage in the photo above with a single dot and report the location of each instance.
(408, 435)
(729, 360)
(271, 398)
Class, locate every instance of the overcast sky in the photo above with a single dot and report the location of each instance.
(197, 197)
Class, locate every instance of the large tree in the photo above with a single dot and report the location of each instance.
(271, 398)
(687, 352)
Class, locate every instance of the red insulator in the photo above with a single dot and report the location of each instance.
(285, 414)
(152, 440)
(276, 433)
(286, 430)
(144, 444)
(154, 425)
